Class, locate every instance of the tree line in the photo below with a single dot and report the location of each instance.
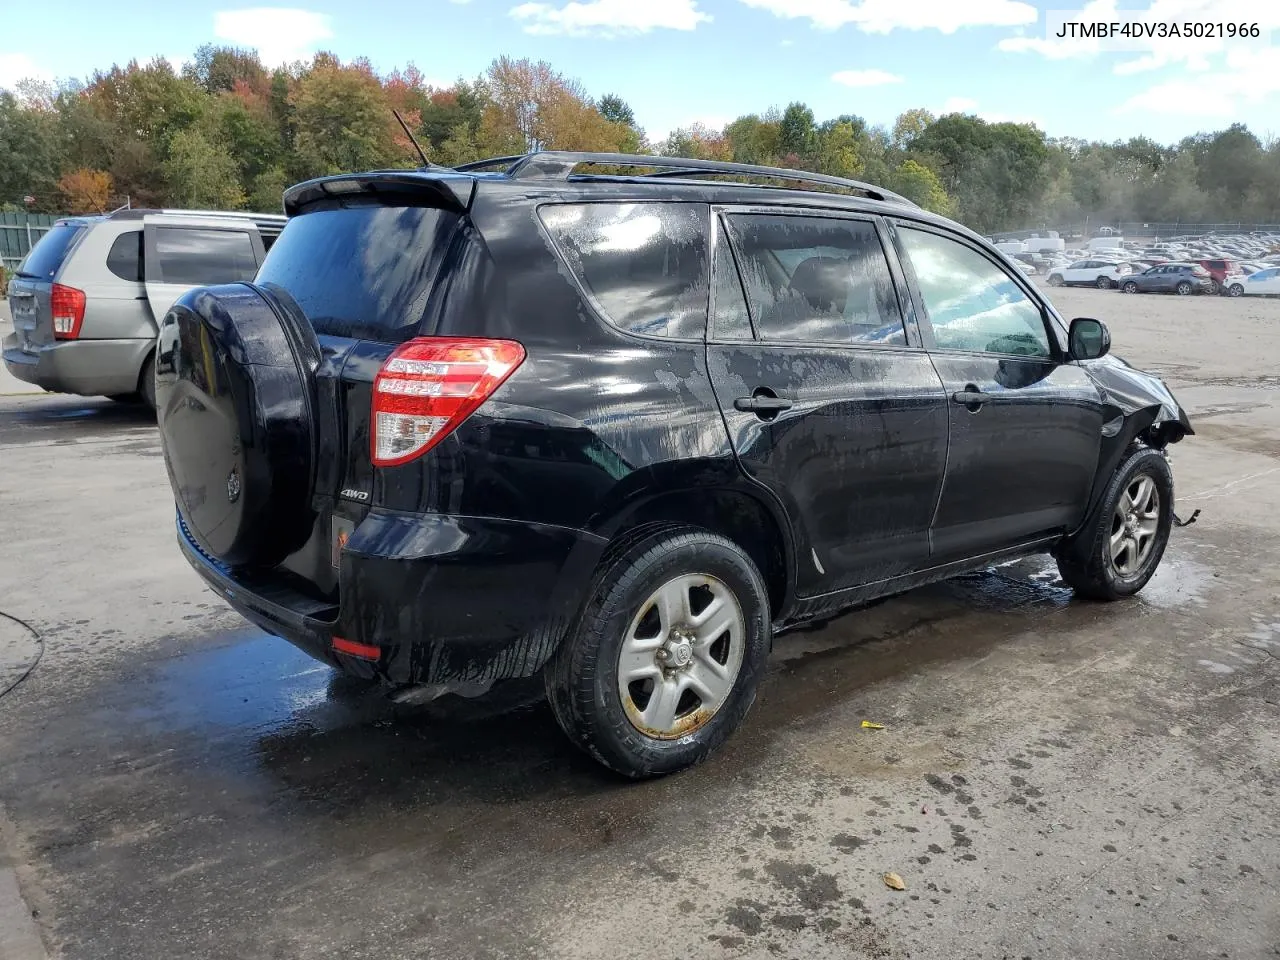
(225, 132)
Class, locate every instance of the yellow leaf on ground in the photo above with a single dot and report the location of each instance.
(894, 881)
(868, 725)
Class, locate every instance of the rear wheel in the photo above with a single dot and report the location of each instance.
(666, 657)
(1118, 553)
(1183, 288)
(1102, 283)
(1130, 287)
(147, 383)
(1214, 287)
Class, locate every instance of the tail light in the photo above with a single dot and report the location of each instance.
(67, 306)
(430, 385)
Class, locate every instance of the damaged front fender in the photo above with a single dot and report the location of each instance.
(1136, 406)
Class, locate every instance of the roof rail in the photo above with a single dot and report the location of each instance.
(138, 213)
(559, 165)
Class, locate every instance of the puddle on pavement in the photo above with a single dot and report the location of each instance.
(1177, 582)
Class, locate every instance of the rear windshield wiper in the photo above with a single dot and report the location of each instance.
(29, 276)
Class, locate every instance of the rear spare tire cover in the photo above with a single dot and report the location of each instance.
(234, 389)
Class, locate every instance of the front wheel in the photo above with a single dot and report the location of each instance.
(1055, 280)
(1118, 552)
(666, 657)
(1102, 283)
(1235, 290)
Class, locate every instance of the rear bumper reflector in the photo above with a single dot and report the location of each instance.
(364, 651)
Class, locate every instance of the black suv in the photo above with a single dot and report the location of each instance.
(472, 424)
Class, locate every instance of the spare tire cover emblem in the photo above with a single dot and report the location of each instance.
(233, 485)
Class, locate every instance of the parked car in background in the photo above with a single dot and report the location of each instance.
(1180, 278)
(1262, 283)
(1095, 272)
(87, 299)
(1219, 268)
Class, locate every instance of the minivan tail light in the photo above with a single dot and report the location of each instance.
(428, 386)
(67, 306)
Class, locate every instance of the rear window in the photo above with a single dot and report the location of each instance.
(361, 271)
(50, 250)
(204, 257)
(644, 264)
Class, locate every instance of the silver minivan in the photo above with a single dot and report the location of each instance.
(87, 299)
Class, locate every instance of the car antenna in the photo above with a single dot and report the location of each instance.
(409, 133)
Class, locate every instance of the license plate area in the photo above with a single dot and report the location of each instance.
(340, 529)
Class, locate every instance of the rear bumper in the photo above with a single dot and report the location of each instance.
(87, 367)
(444, 599)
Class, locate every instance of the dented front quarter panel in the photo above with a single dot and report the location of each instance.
(1136, 406)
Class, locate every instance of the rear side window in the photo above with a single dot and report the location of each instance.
(814, 279)
(204, 256)
(362, 271)
(50, 250)
(125, 258)
(644, 264)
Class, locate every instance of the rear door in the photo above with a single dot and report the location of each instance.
(182, 253)
(830, 400)
(1025, 425)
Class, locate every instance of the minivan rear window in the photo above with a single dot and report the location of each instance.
(362, 271)
(50, 250)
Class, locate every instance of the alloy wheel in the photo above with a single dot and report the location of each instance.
(1134, 526)
(681, 656)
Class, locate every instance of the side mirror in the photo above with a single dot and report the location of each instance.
(1088, 339)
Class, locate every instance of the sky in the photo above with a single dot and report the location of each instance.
(683, 61)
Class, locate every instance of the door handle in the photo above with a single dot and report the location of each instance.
(970, 396)
(762, 404)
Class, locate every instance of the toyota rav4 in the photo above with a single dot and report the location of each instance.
(621, 428)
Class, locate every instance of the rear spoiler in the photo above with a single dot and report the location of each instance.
(448, 191)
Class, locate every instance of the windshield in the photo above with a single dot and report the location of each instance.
(50, 250)
(363, 271)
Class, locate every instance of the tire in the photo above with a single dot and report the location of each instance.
(623, 612)
(1183, 288)
(1129, 287)
(147, 383)
(1215, 288)
(1088, 562)
(1055, 280)
(1235, 290)
(1102, 283)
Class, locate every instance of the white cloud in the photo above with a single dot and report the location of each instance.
(279, 34)
(958, 105)
(865, 78)
(609, 18)
(1246, 76)
(16, 67)
(884, 16)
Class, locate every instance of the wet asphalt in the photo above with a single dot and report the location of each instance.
(1053, 778)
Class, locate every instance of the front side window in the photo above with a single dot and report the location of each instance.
(817, 280)
(204, 257)
(644, 264)
(972, 304)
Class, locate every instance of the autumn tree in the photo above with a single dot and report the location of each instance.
(85, 191)
(201, 173)
(342, 120)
